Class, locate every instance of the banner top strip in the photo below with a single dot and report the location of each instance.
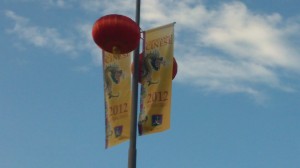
(152, 29)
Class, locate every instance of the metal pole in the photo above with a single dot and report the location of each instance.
(134, 105)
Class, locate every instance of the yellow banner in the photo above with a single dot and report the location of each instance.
(156, 89)
(117, 90)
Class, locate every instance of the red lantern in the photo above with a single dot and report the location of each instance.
(175, 66)
(140, 67)
(116, 34)
(174, 72)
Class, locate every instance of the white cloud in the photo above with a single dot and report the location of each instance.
(125, 7)
(226, 48)
(29, 33)
(46, 3)
(39, 36)
(44, 37)
(244, 35)
(188, 13)
(87, 43)
(59, 3)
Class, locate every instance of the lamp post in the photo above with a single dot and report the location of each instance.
(133, 126)
(119, 34)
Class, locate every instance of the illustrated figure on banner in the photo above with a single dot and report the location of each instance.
(151, 62)
(112, 75)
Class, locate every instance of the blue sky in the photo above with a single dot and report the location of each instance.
(235, 97)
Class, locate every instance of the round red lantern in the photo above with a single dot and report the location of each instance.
(174, 72)
(175, 66)
(116, 34)
(140, 67)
